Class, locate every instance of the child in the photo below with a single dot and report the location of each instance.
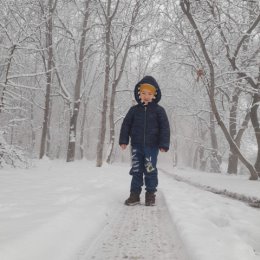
(148, 127)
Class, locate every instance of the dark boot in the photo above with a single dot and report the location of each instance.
(149, 199)
(133, 199)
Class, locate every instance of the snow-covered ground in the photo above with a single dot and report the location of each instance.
(57, 210)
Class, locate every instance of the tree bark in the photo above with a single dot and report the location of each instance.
(48, 137)
(256, 98)
(76, 103)
(255, 123)
(233, 158)
(49, 28)
(102, 130)
(9, 62)
(215, 159)
(82, 128)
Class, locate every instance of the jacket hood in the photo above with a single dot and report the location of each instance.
(150, 80)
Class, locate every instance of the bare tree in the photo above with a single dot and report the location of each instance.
(109, 15)
(186, 8)
(239, 67)
(49, 47)
(117, 75)
(77, 91)
(86, 100)
(18, 26)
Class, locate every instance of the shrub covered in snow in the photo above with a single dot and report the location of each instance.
(11, 155)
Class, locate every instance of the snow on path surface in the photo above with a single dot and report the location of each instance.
(56, 210)
(212, 226)
(138, 232)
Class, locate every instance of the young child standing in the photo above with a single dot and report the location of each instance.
(148, 127)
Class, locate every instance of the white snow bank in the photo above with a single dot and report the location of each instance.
(51, 211)
(212, 226)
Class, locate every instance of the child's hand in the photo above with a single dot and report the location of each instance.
(123, 146)
(163, 150)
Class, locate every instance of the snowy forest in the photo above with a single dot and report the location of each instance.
(68, 70)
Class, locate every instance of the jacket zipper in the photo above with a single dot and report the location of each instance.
(145, 108)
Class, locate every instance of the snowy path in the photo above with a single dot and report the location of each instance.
(75, 212)
(138, 232)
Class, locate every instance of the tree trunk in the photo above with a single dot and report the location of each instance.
(199, 156)
(8, 67)
(84, 118)
(112, 123)
(255, 123)
(48, 138)
(49, 27)
(76, 103)
(202, 158)
(231, 142)
(201, 150)
(256, 98)
(102, 130)
(117, 80)
(215, 159)
(233, 159)
(174, 141)
(62, 134)
(232, 162)
(33, 141)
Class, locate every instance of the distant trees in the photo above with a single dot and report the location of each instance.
(19, 27)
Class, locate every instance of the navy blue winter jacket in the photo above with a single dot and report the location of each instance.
(146, 125)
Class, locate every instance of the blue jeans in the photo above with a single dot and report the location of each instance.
(144, 160)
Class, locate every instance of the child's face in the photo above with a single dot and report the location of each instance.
(146, 96)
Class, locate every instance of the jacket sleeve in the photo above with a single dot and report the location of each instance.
(164, 138)
(126, 127)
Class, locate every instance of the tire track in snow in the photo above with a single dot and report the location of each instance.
(251, 201)
(138, 233)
